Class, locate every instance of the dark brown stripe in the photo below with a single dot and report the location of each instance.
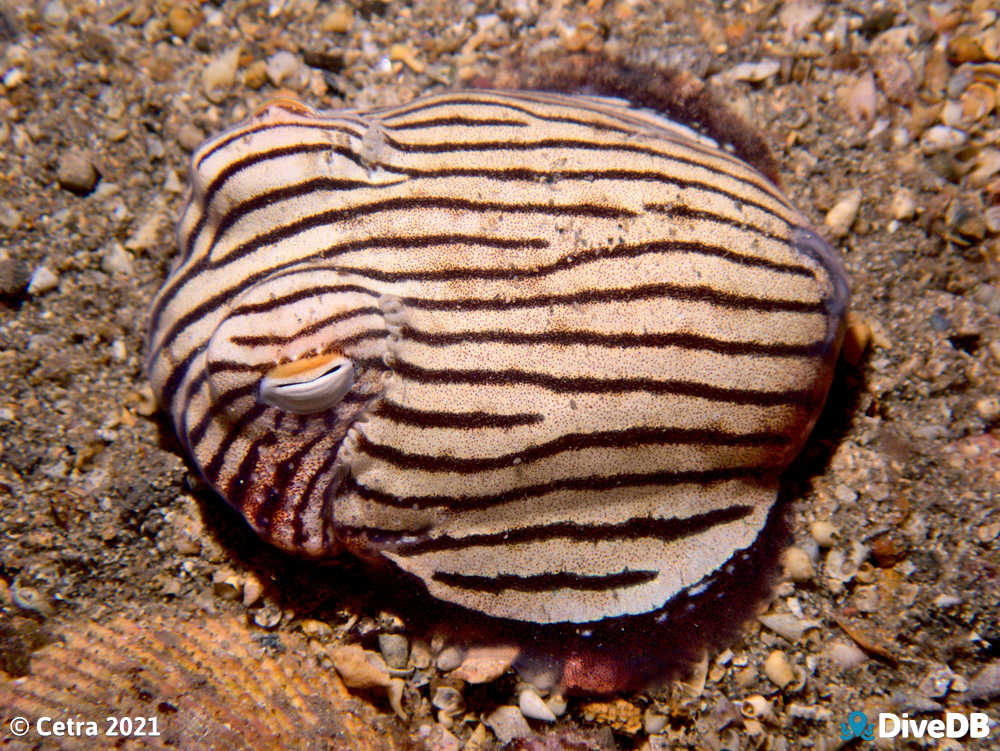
(177, 281)
(177, 375)
(527, 174)
(394, 112)
(612, 439)
(210, 469)
(676, 291)
(664, 530)
(205, 198)
(217, 407)
(436, 122)
(224, 140)
(271, 197)
(585, 385)
(545, 582)
(448, 147)
(402, 203)
(460, 420)
(586, 484)
(277, 493)
(689, 293)
(327, 493)
(592, 255)
(680, 211)
(261, 340)
(616, 340)
(221, 298)
(235, 489)
(502, 174)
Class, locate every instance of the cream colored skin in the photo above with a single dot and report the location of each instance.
(548, 354)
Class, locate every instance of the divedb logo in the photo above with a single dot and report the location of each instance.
(891, 725)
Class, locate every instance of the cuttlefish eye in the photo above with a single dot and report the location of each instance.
(298, 351)
(309, 385)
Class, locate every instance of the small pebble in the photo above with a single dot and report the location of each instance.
(866, 599)
(903, 204)
(9, 216)
(218, 75)
(988, 532)
(420, 654)
(253, 588)
(485, 664)
(988, 408)
(859, 98)
(146, 234)
(395, 648)
(507, 723)
(937, 682)
(986, 683)
(945, 601)
(42, 281)
(255, 75)
(941, 138)
(359, 668)
(76, 172)
(914, 703)
(339, 20)
(824, 533)
(845, 494)
(190, 136)
(753, 71)
(531, 705)
(798, 18)
(182, 19)
(267, 617)
(29, 598)
(449, 659)
(987, 164)
(784, 624)
(844, 655)
(977, 102)
(778, 669)
(117, 260)
(320, 631)
(13, 78)
(758, 708)
(887, 549)
(964, 49)
(857, 337)
(54, 13)
(283, 66)
(448, 699)
(14, 277)
(653, 722)
(840, 218)
(227, 585)
(557, 704)
(798, 565)
(405, 55)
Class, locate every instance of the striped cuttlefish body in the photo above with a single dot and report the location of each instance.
(546, 353)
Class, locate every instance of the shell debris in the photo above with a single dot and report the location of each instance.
(210, 682)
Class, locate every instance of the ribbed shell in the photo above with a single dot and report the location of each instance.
(586, 340)
(208, 683)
